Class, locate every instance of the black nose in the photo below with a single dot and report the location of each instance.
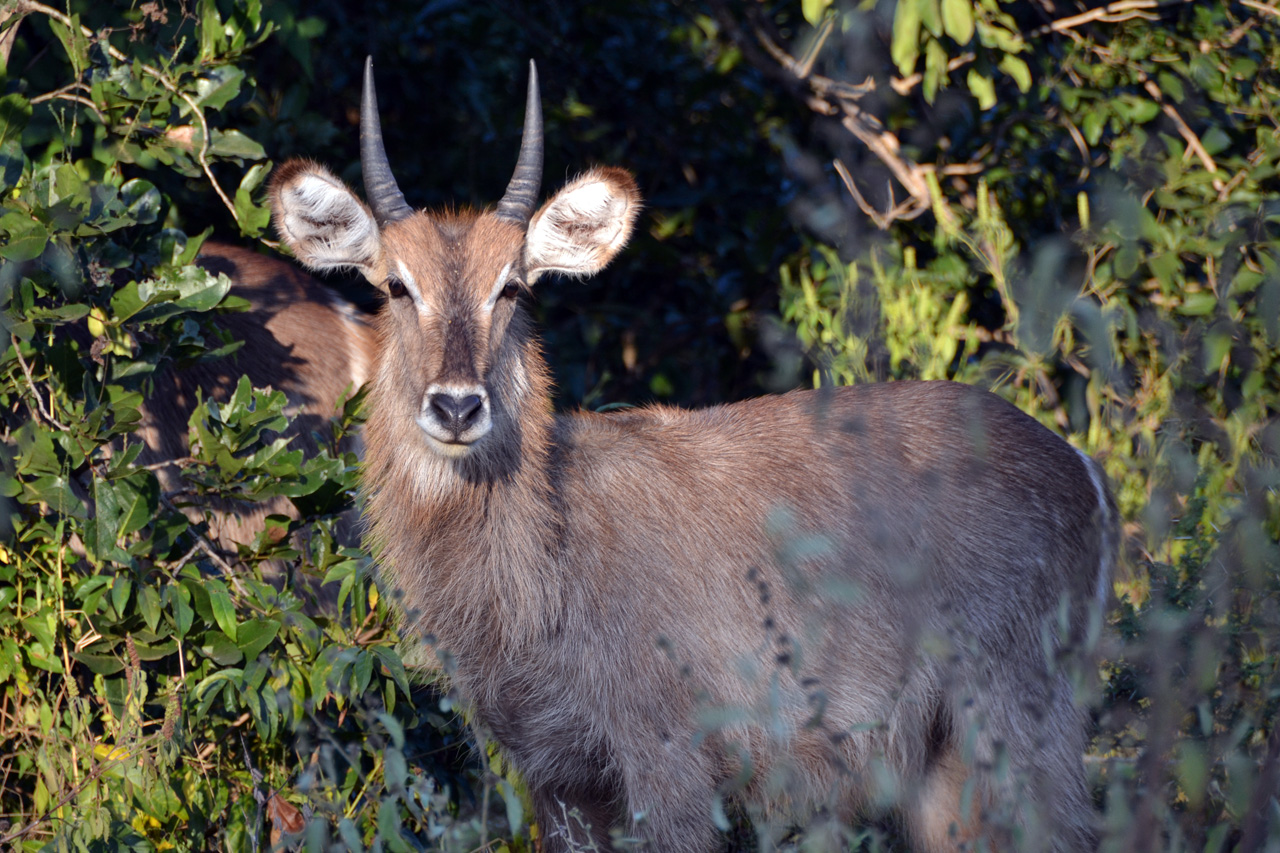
(456, 413)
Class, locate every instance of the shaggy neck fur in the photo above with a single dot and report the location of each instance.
(473, 551)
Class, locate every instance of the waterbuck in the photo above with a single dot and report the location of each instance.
(821, 602)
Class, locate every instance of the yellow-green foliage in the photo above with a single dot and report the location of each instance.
(1145, 330)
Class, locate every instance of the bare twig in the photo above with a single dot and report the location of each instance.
(1261, 7)
(1078, 138)
(832, 97)
(1111, 13)
(904, 85)
(906, 210)
(1193, 141)
(75, 98)
(210, 551)
(156, 466)
(8, 37)
(48, 417)
(885, 146)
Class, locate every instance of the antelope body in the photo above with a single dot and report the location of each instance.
(783, 601)
(298, 337)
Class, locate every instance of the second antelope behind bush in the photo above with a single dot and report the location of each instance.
(810, 604)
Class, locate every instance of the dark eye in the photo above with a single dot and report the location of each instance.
(510, 289)
(395, 287)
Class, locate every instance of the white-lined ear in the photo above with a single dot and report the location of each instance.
(583, 226)
(321, 220)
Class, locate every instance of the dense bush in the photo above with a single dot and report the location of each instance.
(1077, 208)
(1086, 222)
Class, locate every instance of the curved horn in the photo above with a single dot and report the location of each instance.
(522, 193)
(380, 188)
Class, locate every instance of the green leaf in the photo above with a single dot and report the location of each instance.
(219, 86)
(1018, 70)
(930, 16)
(1215, 140)
(149, 606)
(389, 826)
(43, 659)
(254, 635)
(142, 200)
(1198, 304)
(15, 112)
(233, 143)
(515, 806)
(396, 771)
(1093, 123)
(905, 48)
(395, 667)
(253, 218)
(813, 10)
(121, 588)
(69, 186)
(362, 672)
(982, 88)
(220, 649)
(206, 686)
(127, 301)
(935, 70)
(138, 498)
(26, 237)
(224, 611)
(1171, 85)
(100, 664)
(957, 20)
(212, 38)
(106, 526)
(1134, 109)
(182, 613)
(12, 164)
(56, 492)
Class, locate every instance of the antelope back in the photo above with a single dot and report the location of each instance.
(299, 337)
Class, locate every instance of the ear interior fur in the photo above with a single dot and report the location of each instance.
(582, 228)
(320, 219)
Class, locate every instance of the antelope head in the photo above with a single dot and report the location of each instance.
(455, 351)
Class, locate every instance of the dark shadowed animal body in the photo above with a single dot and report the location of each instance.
(298, 337)
(802, 601)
